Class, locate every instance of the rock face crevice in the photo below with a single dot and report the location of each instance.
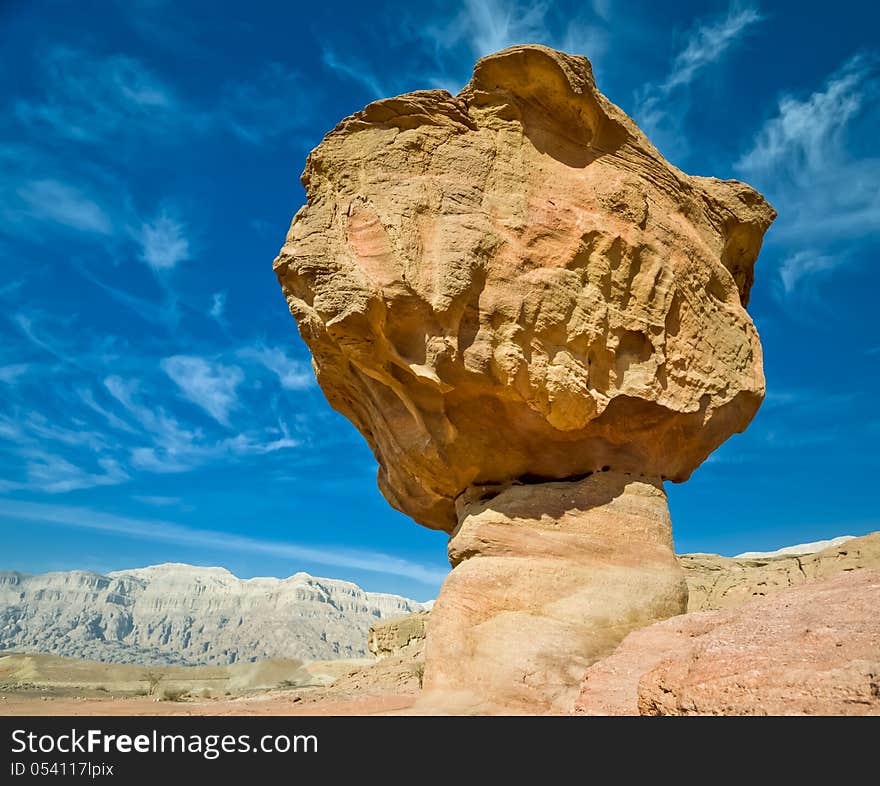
(512, 284)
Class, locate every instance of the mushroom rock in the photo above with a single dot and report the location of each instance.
(534, 320)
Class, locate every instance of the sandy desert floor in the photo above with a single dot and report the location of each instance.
(271, 703)
(50, 685)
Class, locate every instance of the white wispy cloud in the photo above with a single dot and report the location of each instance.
(87, 396)
(804, 264)
(95, 443)
(89, 98)
(788, 434)
(218, 305)
(292, 374)
(806, 402)
(95, 98)
(12, 372)
(169, 458)
(264, 107)
(37, 428)
(169, 454)
(803, 157)
(163, 460)
(153, 419)
(156, 500)
(11, 288)
(581, 38)
(102, 218)
(483, 27)
(54, 474)
(26, 324)
(53, 334)
(102, 214)
(808, 133)
(53, 456)
(174, 447)
(164, 531)
(603, 8)
(491, 25)
(708, 43)
(206, 383)
(49, 196)
(357, 72)
(487, 26)
(64, 204)
(164, 310)
(163, 242)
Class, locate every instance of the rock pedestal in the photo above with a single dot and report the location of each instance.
(547, 579)
(507, 290)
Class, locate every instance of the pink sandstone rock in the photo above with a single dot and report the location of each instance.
(812, 649)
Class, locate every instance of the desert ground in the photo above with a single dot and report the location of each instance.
(51, 685)
(269, 703)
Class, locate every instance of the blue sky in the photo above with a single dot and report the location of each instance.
(157, 403)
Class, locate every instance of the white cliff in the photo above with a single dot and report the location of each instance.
(799, 550)
(181, 614)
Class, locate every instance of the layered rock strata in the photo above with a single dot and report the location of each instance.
(716, 582)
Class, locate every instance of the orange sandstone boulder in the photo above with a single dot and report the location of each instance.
(513, 283)
(533, 319)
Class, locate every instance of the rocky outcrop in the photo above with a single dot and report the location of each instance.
(812, 649)
(394, 636)
(547, 579)
(509, 288)
(185, 615)
(513, 283)
(721, 582)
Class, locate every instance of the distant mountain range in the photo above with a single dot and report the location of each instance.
(176, 614)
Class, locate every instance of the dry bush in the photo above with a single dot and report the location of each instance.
(153, 679)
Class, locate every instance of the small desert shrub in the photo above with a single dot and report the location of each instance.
(288, 684)
(153, 678)
(174, 694)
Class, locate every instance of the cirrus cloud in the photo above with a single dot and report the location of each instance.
(206, 383)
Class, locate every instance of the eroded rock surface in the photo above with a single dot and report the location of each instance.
(721, 582)
(812, 649)
(513, 283)
(547, 579)
(391, 637)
